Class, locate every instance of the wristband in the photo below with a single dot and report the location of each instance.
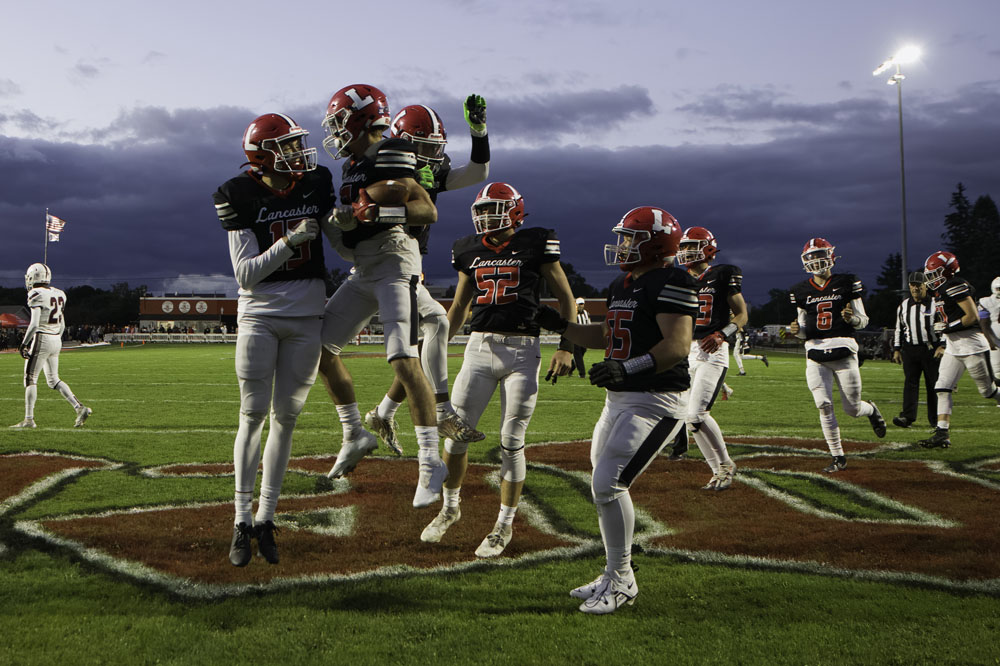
(480, 149)
(953, 325)
(639, 365)
(391, 214)
(565, 344)
(729, 329)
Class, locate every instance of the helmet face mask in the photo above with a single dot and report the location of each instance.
(818, 257)
(697, 245)
(421, 126)
(37, 274)
(498, 206)
(274, 143)
(648, 237)
(352, 112)
(939, 267)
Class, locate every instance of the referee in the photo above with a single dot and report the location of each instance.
(919, 349)
(582, 318)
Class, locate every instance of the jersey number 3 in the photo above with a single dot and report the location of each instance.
(494, 281)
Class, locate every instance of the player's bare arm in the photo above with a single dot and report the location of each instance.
(559, 285)
(738, 306)
(459, 310)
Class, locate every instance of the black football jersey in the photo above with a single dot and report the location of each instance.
(632, 328)
(824, 305)
(947, 299)
(507, 280)
(714, 288)
(389, 158)
(423, 232)
(244, 202)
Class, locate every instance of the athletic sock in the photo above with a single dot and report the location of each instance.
(506, 516)
(451, 496)
(350, 418)
(387, 408)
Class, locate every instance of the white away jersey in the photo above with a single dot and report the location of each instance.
(51, 302)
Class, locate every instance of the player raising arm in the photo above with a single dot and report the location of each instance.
(421, 126)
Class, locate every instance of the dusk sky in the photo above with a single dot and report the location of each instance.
(760, 121)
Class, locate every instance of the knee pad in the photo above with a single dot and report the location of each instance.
(253, 419)
(695, 426)
(512, 465)
(455, 448)
(285, 417)
(826, 409)
(435, 325)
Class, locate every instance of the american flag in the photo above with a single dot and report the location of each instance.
(54, 225)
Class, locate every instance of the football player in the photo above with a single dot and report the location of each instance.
(43, 342)
(721, 313)
(272, 213)
(830, 309)
(421, 126)
(965, 345)
(646, 337)
(741, 349)
(500, 272)
(989, 307)
(380, 199)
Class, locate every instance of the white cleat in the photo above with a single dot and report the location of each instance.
(351, 453)
(25, 424)
(454, 428)
(432, 477)
(588, 590)
(713, 482)
(435, 530)
(725, 476)
(82, 415)
(495, 541)
(385, 429)
(611, 595)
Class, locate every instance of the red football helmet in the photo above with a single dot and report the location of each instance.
(352, 111)
(646, 235)
(939, 267)
(818, 256)
(422, 126)
(497, 206)
(275, 142)
(697, 245)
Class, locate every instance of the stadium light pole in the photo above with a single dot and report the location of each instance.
(904, 55)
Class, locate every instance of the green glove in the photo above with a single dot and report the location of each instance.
(425, 176)
(475, 112)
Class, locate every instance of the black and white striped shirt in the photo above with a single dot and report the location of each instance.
(583, 318)
(915, 324)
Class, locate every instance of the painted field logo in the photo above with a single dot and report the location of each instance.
(882, 519)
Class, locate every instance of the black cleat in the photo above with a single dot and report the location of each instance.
(239, 550)
(839, 463)
(938, 440)
(901, 421)
(763, 357)
(266, 547)
(878, 423)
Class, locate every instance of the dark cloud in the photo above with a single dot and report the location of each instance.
(27, 121)
(138, 200)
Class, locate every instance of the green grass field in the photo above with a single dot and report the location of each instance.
(155, 405)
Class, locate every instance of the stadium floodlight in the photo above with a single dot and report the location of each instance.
(905, 55)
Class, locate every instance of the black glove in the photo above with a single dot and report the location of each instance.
(550, 319)
(25, 351)
(551, 376)
(607, 373)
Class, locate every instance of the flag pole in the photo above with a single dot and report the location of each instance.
(45, 256)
